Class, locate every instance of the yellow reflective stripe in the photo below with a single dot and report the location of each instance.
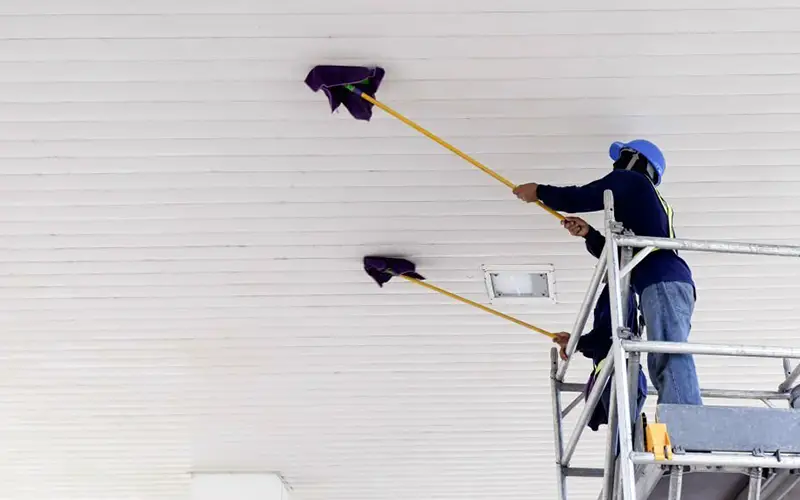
(669, 212)
(599, 366)
(670, 215)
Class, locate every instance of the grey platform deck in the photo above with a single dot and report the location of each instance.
(729, 486)
(731, 430)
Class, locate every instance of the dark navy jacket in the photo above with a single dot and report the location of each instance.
(638, 207)
(597, 343)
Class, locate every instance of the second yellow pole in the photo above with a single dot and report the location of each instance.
(479, 306)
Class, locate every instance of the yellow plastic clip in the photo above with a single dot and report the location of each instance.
(657, 441)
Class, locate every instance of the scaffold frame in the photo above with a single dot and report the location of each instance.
(627, 476)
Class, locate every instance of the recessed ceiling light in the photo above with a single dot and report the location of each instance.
(520, 284)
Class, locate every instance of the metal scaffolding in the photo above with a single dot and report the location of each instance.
(768, 471)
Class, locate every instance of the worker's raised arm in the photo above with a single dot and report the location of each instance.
(572, 199)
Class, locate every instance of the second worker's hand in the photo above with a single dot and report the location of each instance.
(562, 339)
(576, 226)
(527, 192)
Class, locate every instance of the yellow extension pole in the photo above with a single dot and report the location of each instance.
(479, 306)
(452, 148)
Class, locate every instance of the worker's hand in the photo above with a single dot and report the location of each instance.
(527, 192)
(562, 338)
(576, 226)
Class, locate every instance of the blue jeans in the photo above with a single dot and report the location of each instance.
(667, 308)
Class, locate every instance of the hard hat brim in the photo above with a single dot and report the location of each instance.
(616, 149)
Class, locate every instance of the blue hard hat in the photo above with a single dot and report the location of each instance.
(646, 149)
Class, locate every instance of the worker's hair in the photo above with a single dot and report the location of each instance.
(630, 159)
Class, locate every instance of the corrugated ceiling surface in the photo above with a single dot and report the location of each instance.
(182, 225)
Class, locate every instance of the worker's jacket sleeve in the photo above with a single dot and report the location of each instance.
(595, 242)
(596, 343)
(578, 199)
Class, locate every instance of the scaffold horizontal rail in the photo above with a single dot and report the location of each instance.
(708, 246)
(739, 460)
(706, 393)
(711, 349)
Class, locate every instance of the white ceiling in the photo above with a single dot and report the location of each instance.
(183, 222)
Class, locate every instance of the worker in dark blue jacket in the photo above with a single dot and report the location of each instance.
(662, 280)
(597, 342)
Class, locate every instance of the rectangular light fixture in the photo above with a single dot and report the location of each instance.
(520, 284)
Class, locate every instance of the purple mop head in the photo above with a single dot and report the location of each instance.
(332, 81)
(383, 268)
